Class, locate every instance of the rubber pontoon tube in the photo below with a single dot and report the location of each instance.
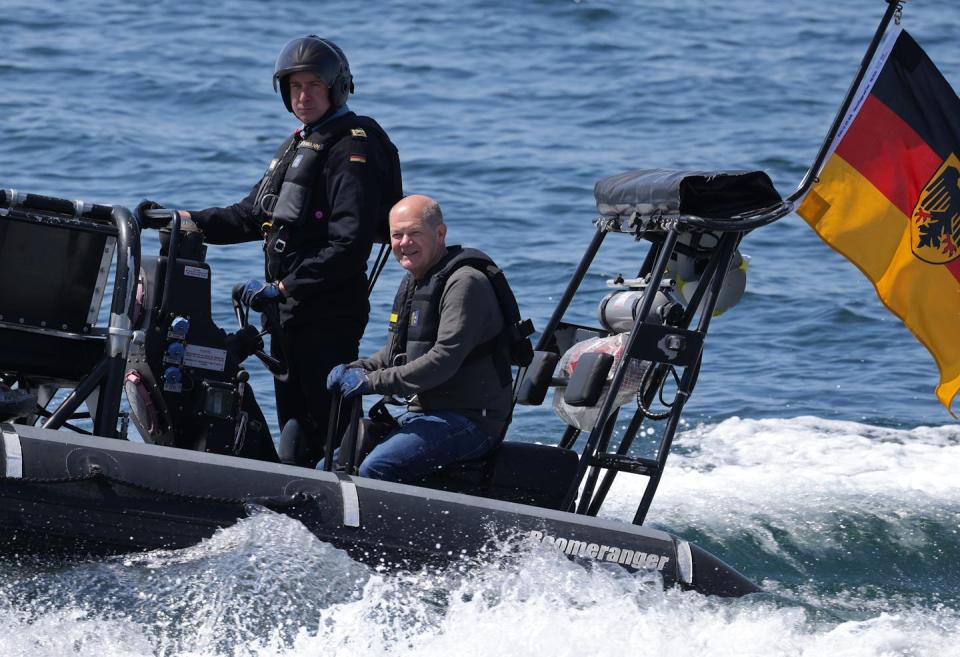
(713, 577)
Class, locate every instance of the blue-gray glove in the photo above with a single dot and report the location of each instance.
(354, 382)
(333, 378)
(258, 294)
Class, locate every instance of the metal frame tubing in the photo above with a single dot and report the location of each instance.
(120, 330)
(564, 302)
(333, 422)
(573, 285)
(173, 250)
(353, 431)
(717, 263)
(569, 438)
(605, 434)
(687, 381)
(595, 496)
(378, 264)
(77, 396)
(628, 437)
(659, 268)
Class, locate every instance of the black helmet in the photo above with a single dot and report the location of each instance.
(319, 56)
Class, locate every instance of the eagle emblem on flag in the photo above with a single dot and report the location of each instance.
(935, 228)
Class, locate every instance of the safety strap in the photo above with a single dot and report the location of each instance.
(12, 451)
(351, 501)
(272, 181)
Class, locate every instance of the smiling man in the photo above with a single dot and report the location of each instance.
(447, 353)
(318, 207)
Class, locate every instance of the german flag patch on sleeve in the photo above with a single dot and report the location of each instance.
(358, 158)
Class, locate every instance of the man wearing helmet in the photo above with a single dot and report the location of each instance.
(320, 205)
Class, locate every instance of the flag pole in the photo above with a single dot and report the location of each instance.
(894, 7)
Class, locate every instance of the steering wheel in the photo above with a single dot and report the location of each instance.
(275, 366)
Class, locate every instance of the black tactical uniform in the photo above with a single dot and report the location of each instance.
(318, 208)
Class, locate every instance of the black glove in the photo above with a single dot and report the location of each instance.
(147, 222)
(244, 342)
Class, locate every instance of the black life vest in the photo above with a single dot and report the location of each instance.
(415, 317)
(286, 193)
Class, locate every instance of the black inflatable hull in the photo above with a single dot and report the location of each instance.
(75, 495)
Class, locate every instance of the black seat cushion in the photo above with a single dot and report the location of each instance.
(49, 356)
(516, 472)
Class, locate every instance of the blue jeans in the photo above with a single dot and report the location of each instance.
(423, 444)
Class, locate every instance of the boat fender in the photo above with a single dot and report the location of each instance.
(12, 452)
(142, 407)
(734, 281)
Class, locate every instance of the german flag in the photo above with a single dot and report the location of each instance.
(888, 197)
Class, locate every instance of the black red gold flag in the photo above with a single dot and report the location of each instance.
(888, 197)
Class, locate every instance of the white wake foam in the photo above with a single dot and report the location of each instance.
(542, 604)
(266, 587)
(801, 475)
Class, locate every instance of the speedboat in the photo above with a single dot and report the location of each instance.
(77, 483)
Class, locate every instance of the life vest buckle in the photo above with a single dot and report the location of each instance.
(267, 203)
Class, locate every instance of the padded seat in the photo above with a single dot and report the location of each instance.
(538, 475)
(49, 357)
(55, 272)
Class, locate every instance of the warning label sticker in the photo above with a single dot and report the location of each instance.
(195, 272)
(205, 358)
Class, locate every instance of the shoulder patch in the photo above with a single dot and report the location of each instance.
(358, 158)
(358, 133)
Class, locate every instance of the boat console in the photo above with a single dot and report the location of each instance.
(185, 388)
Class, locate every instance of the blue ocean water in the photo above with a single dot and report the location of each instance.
(814, 456)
